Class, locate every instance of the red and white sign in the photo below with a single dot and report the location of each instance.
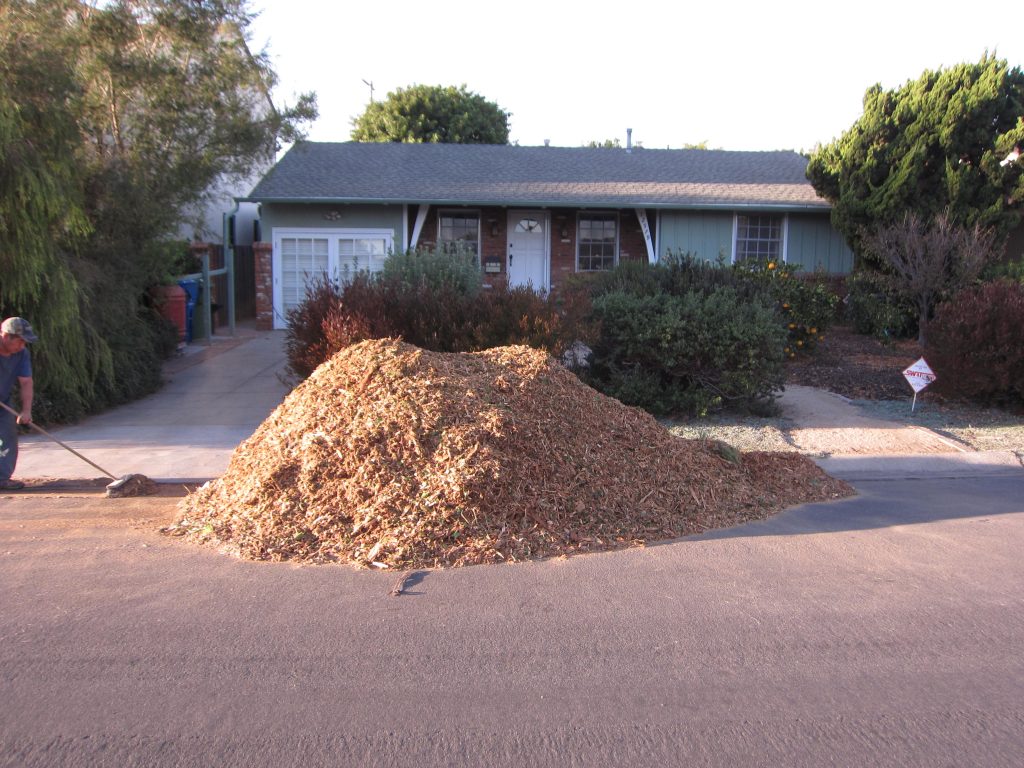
(919, 375)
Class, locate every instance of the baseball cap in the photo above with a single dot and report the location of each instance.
(18, 326)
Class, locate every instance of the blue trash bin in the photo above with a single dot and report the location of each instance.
(191, 288)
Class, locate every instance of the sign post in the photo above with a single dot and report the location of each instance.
(919, 376)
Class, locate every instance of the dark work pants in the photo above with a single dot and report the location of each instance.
(8, 444)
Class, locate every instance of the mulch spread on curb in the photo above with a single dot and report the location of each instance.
(393, 456)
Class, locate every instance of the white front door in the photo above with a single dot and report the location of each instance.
(528, 244)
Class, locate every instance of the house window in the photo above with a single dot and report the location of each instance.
(759, 238)
(361, 254)
(301, 256)
(460, 230)
(301, 260)
(597, 242)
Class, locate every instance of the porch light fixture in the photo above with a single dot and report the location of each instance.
(494, 227)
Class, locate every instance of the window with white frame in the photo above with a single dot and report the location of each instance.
(301, 256)
(760, 237)
(460, 229)
(597, 243)
(361, 254)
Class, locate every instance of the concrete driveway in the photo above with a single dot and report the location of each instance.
(215, 396)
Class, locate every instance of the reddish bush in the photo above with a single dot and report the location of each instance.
(305, 344)
(976, 344)
(435, 317)
(507, 316)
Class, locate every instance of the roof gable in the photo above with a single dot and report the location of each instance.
(477, 174)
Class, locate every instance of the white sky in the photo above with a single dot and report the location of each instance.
(763, 75)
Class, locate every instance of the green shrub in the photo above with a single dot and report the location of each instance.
(1014, 270)
(437, 269)
(976, 344)
(806, 304)
(682, 273)
(875, 308)
(688, 354)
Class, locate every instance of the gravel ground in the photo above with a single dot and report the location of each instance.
(751, 433)
(981, 429)
(868, 373)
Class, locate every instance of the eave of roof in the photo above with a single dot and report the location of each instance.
(544, 204)
(556, 177)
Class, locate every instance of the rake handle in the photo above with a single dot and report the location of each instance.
(43, 432)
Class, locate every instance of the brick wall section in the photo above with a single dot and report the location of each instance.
(264, 286)
(563, 249)
(631, 237)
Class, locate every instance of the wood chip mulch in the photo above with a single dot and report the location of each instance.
(395, 457)
(856, 366)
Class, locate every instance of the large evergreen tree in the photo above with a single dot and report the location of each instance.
(933, 145)
(114, 120)
(433, 114)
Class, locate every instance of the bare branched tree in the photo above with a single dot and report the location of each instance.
(930, 259)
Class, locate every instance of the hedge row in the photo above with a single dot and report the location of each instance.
(682, 336)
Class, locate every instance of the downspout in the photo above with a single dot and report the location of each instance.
(229, 264)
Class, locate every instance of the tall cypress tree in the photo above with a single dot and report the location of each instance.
(932, 145)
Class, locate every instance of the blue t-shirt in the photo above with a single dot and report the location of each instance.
(13, 367)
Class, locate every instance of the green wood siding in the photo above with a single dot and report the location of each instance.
(316, 216)
(706, 234)
(811, 242)
(814, 245)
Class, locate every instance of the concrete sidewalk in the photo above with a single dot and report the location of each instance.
(215, 397)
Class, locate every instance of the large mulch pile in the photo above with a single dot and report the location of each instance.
(393, 456)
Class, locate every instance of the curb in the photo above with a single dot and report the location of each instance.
(923, 466)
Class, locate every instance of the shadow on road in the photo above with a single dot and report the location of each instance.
(889, 503)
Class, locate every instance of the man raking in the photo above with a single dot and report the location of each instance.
(15, 366)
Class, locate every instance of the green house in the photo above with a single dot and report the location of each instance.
(533, 215)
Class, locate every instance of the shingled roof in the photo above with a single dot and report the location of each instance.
(476, 174)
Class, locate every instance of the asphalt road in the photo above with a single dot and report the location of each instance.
(886, 629)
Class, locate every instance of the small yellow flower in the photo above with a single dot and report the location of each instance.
(785, 306)
(771, 265)
(792, 326)
(821, 338)
(814, 331)
(799, 343)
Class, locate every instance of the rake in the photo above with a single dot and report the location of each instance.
(126, 485)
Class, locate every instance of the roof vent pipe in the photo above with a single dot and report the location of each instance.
(629, 139)
(547, 142)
